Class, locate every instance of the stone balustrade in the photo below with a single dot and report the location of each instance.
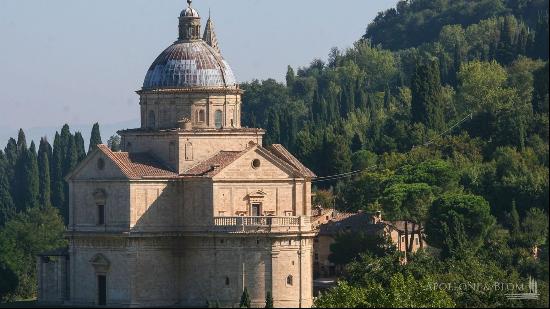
(261, 224)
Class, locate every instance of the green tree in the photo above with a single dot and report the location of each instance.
(534, 228)
(458, 222)
(336, 156)
(7, 207)
(95, 138)
(79, 143)
(401, 292)
(8, 281)
(268, 300)
(290, 77)
(44, 174)
(27, 185)
(349, 245)
(408, 202)
(69, 163)
(25, 236)
(245, 300)
(427, 105)
(356, 143)
(114, 143)
(21, 142)
(58, 196)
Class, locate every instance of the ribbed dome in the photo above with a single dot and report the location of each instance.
(189, 64)
(189, 12)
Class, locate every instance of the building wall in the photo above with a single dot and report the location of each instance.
(52, 279)
(217, 269)
(140, 271)
(169, 108)
(83, 212)
(194, 271)
(189, 148)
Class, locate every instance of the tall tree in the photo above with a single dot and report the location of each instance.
(458, 222)
(114, 143)
(79, 143)
(70, 161)
(427, 99)
(10, 164)
(95, 138)
(44, 173)
(58, 156)
(7, 207)
(27, 183)
(21, 142)
(290, 77)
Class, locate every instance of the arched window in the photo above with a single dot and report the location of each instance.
(289, 280)
(151, 120)
(227, 281)
(218, 117)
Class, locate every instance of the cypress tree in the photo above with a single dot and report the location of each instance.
(80, 149)
(7, 208)
(273, 127)
(356, 143)
(427, 105)
(44, 173)
(268, 300)
(245, 300)
(290, 78)
(57, 173)
(11, 162)
(27, 183)
(95, 138)
(21, 142)
(70, 161)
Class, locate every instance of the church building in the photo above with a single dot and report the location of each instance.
(194, 209)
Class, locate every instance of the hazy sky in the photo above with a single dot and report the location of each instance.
(78, 62)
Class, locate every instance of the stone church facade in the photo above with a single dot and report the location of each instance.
(194, 209)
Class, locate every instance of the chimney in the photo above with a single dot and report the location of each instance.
(185, 124)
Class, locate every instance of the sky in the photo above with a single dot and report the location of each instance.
(81, 61)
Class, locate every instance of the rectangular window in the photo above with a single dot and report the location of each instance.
(256, 209)
(100, 214)
(101, 290)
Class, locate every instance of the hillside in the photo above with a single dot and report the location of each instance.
(438, 115)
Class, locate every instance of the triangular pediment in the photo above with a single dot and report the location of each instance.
(257, 163)
(97, 165)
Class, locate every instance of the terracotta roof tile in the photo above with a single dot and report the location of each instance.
(343, 222)
(283, 154)
(138, 165)
(215, 164)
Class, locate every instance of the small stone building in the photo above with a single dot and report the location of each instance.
(194, 209)
(329, 223)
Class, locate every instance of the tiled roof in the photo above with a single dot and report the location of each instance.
(283, 154)
(343, 222)
(215, 164)
(400, 226)
(138, 165)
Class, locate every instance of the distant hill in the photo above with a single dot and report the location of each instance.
(414, 22)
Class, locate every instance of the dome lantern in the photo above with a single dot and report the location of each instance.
(190, 24)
